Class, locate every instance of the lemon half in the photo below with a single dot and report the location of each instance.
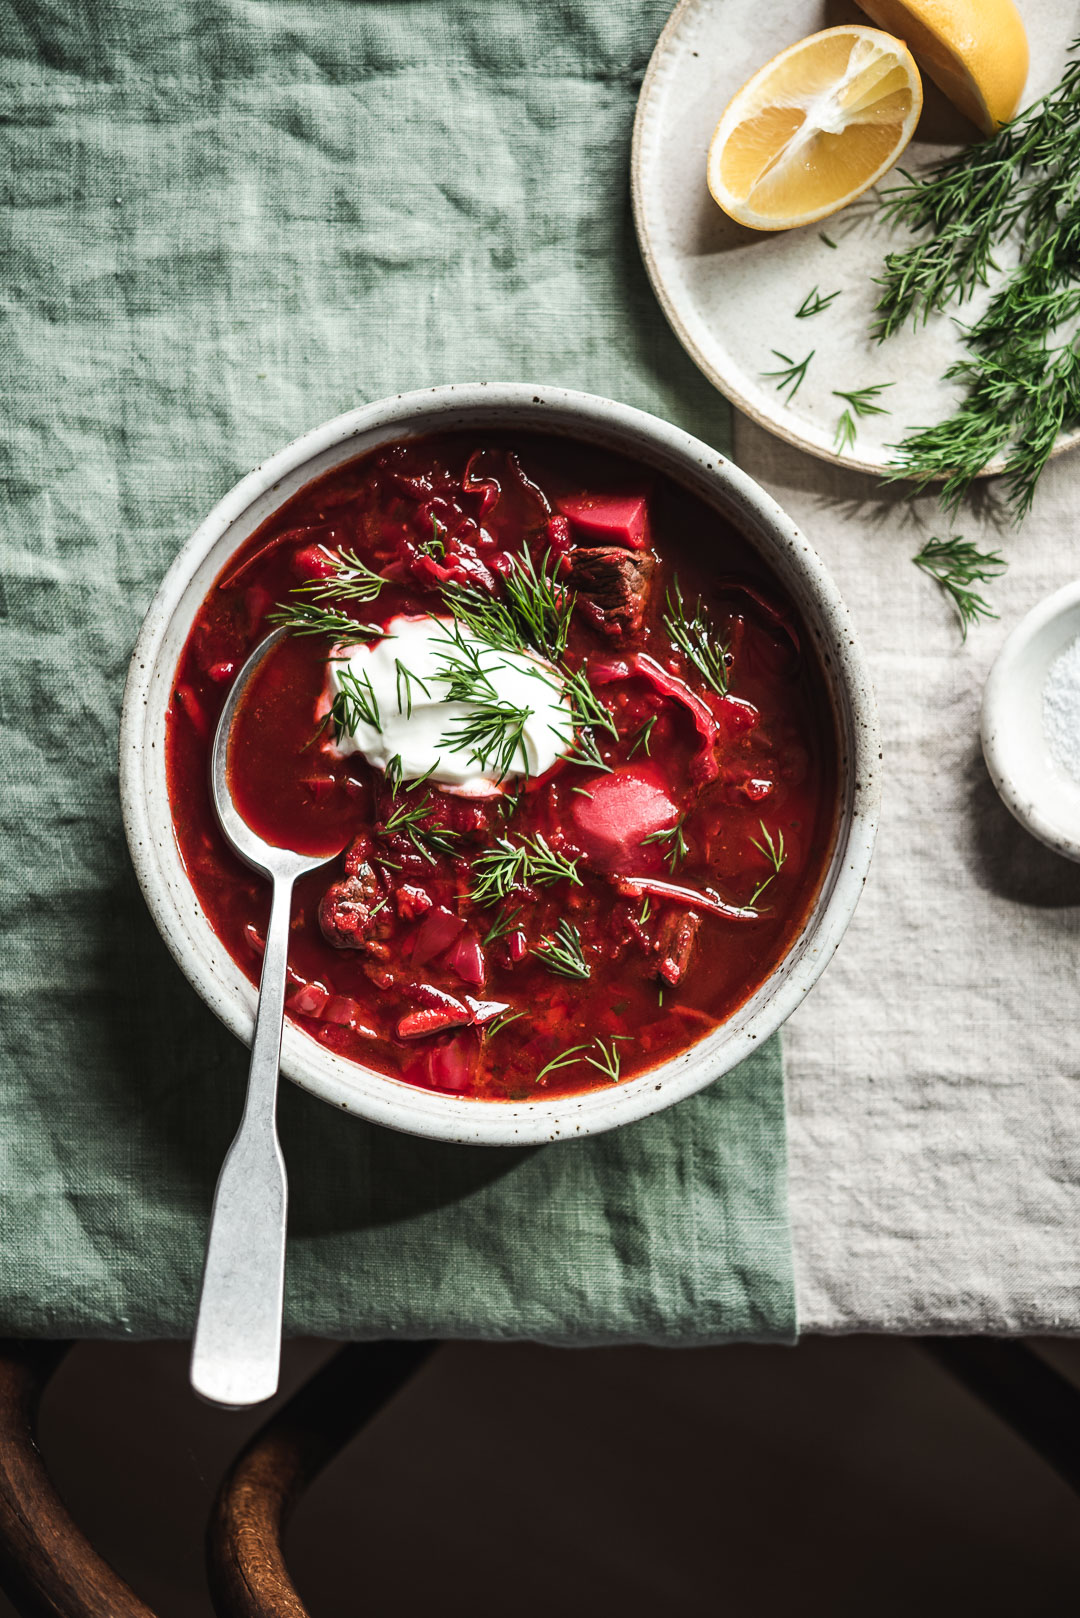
(976, 51)
(814, 127)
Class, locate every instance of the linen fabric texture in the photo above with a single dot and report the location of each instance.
(224, 223)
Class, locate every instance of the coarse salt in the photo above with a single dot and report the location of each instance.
(1061, 711)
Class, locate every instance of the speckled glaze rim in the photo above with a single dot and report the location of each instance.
(581, 416)
(996, 732)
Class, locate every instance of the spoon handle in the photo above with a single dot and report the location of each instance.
(236, 1354)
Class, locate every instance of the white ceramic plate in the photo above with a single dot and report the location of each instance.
(731, 293)
(480, 406)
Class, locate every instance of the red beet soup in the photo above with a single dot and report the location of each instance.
(569, 734)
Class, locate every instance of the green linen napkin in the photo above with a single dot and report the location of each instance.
(226, 221)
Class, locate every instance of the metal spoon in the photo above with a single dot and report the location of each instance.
(236, 1354)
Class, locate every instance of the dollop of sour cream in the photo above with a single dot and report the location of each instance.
(404, 680)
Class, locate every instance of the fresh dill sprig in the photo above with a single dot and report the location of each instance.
(586, 752)
(793, 373)
(826, 239)
(957, 564)
(430, 841)
(646, 911)
(493, 729)
(587, 715)
(351, 579)
(355, 703)
(563, 953)
(776, 854)
(641, 738)
(1019, 397)
(673, 841)
(864, 400)
(813, 304)
(693, 636)
(531, 614)
(607, 1060)
(496, 1027)
(505, 922)
(563, 1059)
(845, 433)
(308, 618)
(405, 677)
(493, 732)
(585, 706)
(532, 863)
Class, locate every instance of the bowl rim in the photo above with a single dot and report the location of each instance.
(997, 734)
(393, 1102)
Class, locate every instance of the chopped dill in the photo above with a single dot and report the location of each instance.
(774, 851)
(792, 375)
(813, 304)
(675, 849)
(355, 703)
(351, 579)
(693, 636)
(641, 738)
(532, 863)
(563, 953)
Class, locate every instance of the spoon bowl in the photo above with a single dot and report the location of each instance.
(236, 1353)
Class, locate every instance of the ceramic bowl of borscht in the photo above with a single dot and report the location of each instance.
(580, 714)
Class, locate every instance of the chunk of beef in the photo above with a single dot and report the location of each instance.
(676, 936)
(346, 911)
(614, 582)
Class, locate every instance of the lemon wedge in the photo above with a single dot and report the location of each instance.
(814, 127)
(976, 51)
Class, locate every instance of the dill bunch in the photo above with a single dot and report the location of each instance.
(1021, 376)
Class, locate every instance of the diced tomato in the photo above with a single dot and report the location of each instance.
(412, 902)
(609, 519)
(220, 672)
(314, 562)
(358, 853)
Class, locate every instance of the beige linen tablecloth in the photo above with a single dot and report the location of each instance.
(933, 1089)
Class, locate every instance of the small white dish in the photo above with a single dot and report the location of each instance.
(1014, 744)
(479, 407)
(731, 294)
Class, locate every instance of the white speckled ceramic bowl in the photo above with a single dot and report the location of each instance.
(1014, 745)
(172, 900)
